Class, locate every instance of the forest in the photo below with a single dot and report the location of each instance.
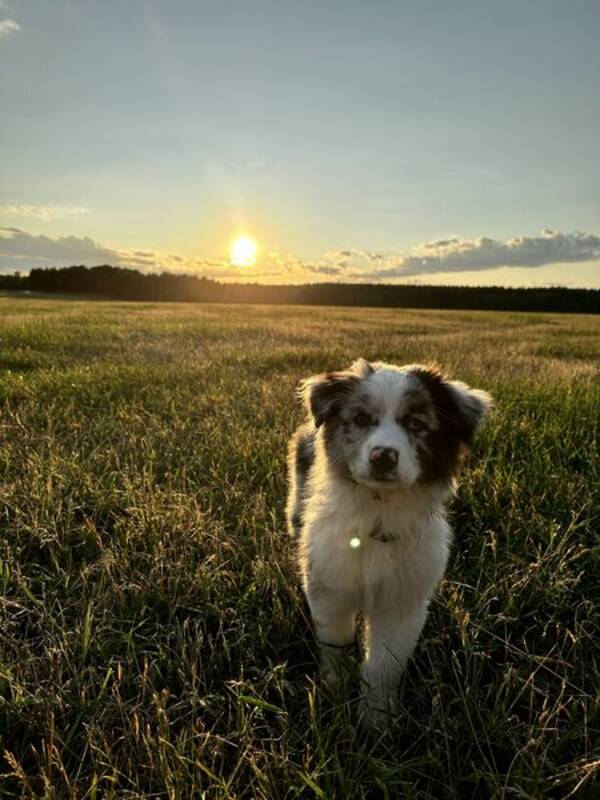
(111, 282)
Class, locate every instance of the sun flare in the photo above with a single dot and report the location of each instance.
(242, 252)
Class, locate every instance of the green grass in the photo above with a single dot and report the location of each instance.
(154, 641)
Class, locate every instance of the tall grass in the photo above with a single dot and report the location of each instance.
(153, 638)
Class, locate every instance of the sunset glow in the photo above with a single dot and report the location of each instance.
(357, 165)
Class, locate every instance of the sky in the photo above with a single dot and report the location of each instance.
(422, 142)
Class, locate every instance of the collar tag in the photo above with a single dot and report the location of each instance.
(380, 535)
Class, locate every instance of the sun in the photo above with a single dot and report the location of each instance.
(242, 252)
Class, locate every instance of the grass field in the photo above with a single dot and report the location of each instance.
(153, 638)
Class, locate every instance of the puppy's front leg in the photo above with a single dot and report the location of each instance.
(391, 638)
(334, 629)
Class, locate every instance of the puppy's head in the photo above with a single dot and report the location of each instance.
(387, 426)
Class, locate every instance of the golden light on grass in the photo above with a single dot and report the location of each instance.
(242, 252)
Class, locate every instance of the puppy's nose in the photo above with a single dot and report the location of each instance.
(383, 459)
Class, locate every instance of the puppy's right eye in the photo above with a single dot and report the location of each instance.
(415, 425)
(362, 420)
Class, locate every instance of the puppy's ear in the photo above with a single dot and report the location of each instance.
(362, 368)
(458, 406)
(325, 394)
(471, 407)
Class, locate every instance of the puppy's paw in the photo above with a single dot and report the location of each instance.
(332, 677)
(336, 675)
(376, 710)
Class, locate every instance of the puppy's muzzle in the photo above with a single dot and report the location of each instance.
(383, 460)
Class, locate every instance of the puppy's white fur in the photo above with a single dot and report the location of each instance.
(372, 543)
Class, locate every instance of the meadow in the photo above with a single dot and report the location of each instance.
(154, 641)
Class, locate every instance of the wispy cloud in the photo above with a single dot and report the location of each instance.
(7, 25)
(21, 249)
(46, 212)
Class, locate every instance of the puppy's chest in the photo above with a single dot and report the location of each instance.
(361, 521)
(370, 547)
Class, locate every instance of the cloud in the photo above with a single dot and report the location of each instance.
(8, 26)
(285, 262)
(324, 269)
(23, 250)
(20, 244)
(471, 255)
(47, 212)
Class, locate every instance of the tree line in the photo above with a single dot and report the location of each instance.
(128, 284)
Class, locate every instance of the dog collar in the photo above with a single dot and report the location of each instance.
(377, 534)
(380, 535)
(374, 494)
(337, 646)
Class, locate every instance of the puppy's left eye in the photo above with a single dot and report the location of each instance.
(414, 425)
(362, 420)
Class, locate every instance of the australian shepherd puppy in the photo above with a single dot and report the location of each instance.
(369, 474)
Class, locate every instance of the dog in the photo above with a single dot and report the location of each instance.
(369, 473)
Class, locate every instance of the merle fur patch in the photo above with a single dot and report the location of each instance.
(326, 394)
(301, 457)
(459, 411)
